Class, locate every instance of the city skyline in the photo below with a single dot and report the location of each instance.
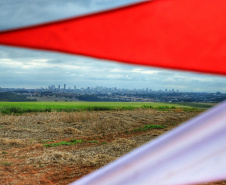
(114, 94)
(74, 88)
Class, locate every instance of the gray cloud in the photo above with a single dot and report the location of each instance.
(28, 68)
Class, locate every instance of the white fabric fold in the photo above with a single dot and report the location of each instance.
(192, 153)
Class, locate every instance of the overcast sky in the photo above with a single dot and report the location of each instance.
(34, 69)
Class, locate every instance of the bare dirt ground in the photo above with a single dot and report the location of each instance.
(101, 138)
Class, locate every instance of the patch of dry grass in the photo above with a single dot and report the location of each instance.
(123, 142)
(14, 142)
(94, 156)
(61, 125)
(111, 132)
(52, 156)
(63, 158)
(97, 160)
(67, 130)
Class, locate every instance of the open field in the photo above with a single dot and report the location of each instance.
(23, 107)
(60, 147)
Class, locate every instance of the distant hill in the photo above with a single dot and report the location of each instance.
(12, 97)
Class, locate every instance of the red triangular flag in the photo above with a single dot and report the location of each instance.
(187, 35)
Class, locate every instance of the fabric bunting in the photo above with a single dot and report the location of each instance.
(186, 35)
(177, 34)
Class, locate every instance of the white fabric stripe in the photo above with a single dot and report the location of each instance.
(194, 152)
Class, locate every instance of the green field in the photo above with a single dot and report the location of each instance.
(197, 105)
(22, 107)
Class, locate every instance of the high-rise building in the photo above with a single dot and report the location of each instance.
(64, 86)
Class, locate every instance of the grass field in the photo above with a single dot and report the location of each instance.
(22, 107)
(197, 105)
(59, 147)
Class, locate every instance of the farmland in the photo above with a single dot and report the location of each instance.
(58, 147)
(23, 107)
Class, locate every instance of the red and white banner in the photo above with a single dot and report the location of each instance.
(178, 34)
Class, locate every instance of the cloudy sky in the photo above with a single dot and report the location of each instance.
(34, 69)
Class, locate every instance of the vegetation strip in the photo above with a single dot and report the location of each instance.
(148, 127)
(26, 107)
(68, 143)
